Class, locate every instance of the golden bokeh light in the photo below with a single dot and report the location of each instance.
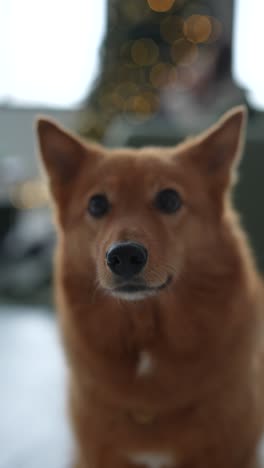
(30, 194)
(114, 99)
(184, 52)
(160, 5)
(171, 28)
(197, 28)
(144, 105)
(144, 52)
(162, 75)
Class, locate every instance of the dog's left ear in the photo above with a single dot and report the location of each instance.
(217, 151)
(62, 153)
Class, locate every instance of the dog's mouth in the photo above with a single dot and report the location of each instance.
(133, 290)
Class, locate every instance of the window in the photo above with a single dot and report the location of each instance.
(248, 64)
(49, 50)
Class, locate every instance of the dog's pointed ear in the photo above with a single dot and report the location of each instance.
(62, 153)
(219, 149)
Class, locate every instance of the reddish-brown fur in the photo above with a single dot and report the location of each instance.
(203, 401)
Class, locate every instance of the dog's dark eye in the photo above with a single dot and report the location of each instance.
(168, 201)
(98, 205)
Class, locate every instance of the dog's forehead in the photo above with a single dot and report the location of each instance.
(137, 172)
(134, 169)
(132, 163)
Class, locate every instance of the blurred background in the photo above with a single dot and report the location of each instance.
(122, 72)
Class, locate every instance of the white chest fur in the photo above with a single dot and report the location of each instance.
(145, 364)
(152, 460)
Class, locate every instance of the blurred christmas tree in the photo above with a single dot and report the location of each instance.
(155, 45)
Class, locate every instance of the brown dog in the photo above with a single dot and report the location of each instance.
(159, 300)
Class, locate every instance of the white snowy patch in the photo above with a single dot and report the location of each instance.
(153, 460)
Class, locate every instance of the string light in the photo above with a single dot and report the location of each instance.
(144, 105)
(197, 28)
(160, 5)
(29, 195)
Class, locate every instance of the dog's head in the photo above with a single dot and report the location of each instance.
(133, 221)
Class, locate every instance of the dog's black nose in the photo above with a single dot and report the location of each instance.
(126, 259)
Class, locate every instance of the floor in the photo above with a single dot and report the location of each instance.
(33, 425)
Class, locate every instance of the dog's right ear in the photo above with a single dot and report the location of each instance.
(62, 153)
